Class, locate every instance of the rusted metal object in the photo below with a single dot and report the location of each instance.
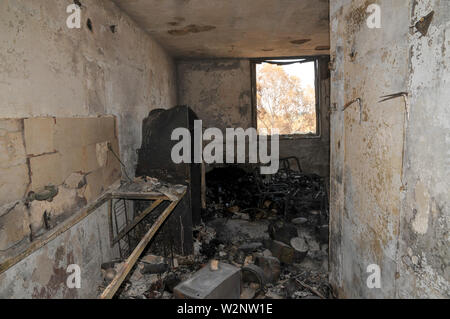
(359, 101)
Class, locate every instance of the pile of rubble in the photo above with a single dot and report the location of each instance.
(278, 243)
(232, 190)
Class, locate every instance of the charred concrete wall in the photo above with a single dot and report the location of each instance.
(219, 91)
(424, 254)
(53, 81)
(43, 275)
(389, 176)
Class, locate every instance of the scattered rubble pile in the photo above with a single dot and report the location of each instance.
(279, 243)
(232, 190)
(229, 190)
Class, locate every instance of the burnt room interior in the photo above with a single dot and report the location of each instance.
(347, 99)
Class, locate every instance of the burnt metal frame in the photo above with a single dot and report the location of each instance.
(135, 222)
(316, 60)
(130, 225)
(115, 284)
(120, 208)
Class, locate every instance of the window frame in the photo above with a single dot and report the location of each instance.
(315, 59)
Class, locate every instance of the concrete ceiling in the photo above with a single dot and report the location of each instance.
(234, 28)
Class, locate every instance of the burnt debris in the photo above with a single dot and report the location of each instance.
(289, 194)
(272, 229)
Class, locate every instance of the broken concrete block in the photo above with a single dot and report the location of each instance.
(45, 170)
(224, 283)
(14, 182)
(38, 134)
(271, 268)
(283, 232)
(14, 225)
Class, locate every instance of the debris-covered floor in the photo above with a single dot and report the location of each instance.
(273, 228)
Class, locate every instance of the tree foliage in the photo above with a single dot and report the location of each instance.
(283, 103)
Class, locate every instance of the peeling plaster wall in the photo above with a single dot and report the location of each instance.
(424, 256)
(381, 201)
(43, 274)
(48, 70)
(219, 91)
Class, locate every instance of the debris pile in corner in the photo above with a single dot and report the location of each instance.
(273, 229)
